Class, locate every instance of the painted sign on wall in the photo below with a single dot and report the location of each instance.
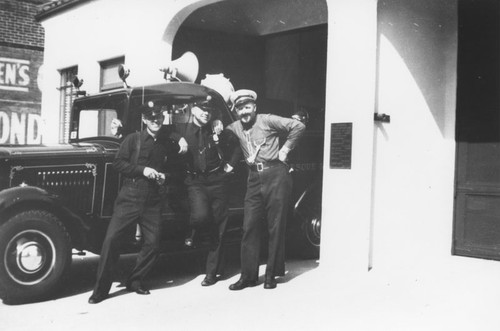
(14, 74)
(20, 128)
(20, 97)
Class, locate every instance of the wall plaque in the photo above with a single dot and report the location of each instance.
(341, 146)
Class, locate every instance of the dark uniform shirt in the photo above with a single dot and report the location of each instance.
(204, 154)
(153, 152)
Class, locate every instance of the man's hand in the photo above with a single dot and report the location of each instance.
(183, 146)
(150, 173)
(283, 154)
(228, 167)
(116, 126)
(217, 127)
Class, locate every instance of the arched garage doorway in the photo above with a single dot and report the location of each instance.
(277, 48)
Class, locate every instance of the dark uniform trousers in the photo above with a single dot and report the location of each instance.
(208, 203)
(138, 202)
(267, 199)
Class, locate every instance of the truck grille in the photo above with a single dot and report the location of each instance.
(74, 183)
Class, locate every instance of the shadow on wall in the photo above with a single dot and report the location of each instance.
(424, 35)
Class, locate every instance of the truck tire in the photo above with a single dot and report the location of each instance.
(309, 236)
(35, 254)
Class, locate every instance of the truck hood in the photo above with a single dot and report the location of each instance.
(88, 148)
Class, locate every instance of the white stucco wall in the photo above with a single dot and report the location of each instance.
(415, 153)
(350, 98)
(394, 209)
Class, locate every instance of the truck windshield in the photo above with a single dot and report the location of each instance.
(96, 123)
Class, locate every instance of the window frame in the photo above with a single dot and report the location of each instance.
(66, 98)
(111, 64)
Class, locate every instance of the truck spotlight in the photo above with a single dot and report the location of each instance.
(77, 83)
(123, 72)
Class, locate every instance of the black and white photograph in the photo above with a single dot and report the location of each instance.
(250, 165)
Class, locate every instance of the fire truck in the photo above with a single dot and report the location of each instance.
(57, 200)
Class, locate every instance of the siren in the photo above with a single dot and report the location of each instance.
(184, 69)
(220, 84)
(123, 73)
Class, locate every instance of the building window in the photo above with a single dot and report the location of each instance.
(109, 74)
(66, 100)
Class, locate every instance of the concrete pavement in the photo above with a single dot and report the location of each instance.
(464, 294)
(177, 301)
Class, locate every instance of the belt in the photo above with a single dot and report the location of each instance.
(128, 180)
(206, 172)
(135, 179)
(261, 166)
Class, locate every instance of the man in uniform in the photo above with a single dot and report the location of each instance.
(206, 181)
(140, 161)
(269, 186)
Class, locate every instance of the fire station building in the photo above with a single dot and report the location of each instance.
(406, 93)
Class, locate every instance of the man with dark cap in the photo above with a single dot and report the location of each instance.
(269, 186)
(140, 161)
(211, 156)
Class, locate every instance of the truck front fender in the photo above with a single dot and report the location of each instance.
(15, 195)
(20, 198)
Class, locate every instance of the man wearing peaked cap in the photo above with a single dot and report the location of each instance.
(150, 111)
(209, 160)
(269, 186)
(140, 161)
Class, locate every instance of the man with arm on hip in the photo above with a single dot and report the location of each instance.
(269, 186)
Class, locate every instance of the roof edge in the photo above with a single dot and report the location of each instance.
(55, 7)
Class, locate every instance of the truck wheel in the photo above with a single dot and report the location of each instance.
(311, 236)
(35, 254)
(304, 237)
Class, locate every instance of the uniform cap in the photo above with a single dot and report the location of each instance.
(243, 96)
(149, 110)
(206, 105)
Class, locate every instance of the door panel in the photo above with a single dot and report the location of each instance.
(477, 196)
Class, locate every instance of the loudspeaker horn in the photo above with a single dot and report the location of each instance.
(184, 69)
